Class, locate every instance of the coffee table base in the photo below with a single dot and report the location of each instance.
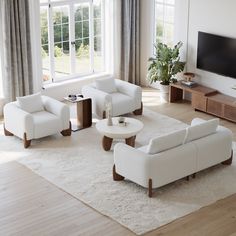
(107, 142)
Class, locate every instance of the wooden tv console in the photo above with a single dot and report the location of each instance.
(206, 99)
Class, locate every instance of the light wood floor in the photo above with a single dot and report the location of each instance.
(30, 205)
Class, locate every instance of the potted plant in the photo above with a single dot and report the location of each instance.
(164, 66)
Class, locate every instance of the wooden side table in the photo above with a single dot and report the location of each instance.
(83, 113)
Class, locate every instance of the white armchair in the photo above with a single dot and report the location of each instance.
(123, 96)
(54, 117)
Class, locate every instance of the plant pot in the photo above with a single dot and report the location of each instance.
(164, 92)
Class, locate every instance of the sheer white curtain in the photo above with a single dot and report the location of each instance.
(113, 36)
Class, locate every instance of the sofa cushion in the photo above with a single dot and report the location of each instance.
(106, 85)
(201, 129)
(31, 103)
(197, 121)
(166, 142)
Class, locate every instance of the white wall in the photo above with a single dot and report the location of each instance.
(217, 17)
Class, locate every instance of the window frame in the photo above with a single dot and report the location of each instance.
(71, 5)
(164, 22)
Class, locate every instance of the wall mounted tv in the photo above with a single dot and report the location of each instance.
(216, 54)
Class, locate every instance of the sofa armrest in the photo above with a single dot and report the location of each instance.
(18, 121)
(132, 163)
(131, 90)
(99, 99)
(59, 109)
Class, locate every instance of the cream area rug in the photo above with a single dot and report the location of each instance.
(80, 166)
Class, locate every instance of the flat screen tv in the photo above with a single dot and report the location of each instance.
(216, 54)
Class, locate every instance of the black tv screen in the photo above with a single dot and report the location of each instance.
(216, 54)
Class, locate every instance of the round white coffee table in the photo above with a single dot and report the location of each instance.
(127, 132)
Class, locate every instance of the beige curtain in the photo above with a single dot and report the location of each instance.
(16, 53)
(130, 41)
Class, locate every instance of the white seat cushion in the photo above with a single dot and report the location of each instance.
(31, 103)
(106, 85)
(201, 129)
(166, 142)
(121, 104)
(45, 124)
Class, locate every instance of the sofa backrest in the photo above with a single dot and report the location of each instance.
(166, 142)
(199, 129)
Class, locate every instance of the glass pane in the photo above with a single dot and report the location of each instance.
(169, 34)
(61, 41)
(44, 43)
(159, 12)
(85, 29)
(172, 2)
(98, 56)
(159, 29)
(85, 12)
(82, 57)
(57, 33)
(169, 14)
(65, 32)
(97, 27)
(82, 43)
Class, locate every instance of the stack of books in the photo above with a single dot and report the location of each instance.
(188, 83)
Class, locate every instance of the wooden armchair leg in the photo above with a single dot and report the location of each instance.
(150, 188)
(116, 176)
(6, 132)
(26, 142)
(229, 161)
(67, 132)
(139, 111)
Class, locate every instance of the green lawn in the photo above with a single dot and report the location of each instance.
(62, 65)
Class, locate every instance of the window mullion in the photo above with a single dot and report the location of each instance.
(91, 36)
(72, 38)
(51, 43)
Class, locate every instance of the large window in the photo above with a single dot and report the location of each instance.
(164, 19)
(72, 38)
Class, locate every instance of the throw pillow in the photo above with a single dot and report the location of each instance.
(31, 103)
(201, 130)
(106, 85)
(166, 142)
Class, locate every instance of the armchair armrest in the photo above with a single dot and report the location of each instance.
(18, 121)
(99, 99)
(131, 90)
(59, 109)
(132, 163)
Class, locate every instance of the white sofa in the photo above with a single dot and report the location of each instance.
(36, 116)
(174, 156)
(124, 97)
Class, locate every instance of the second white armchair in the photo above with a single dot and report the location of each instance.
(124, 97)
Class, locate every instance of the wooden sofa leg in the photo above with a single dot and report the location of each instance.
(187, 178)
(116, 176)
(104, 115)
(229, 161)
(26, 142)
(194, 175)
(67, 132)
(139, 111)
(6, 132)
(150, 188)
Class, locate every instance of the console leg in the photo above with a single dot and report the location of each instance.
(116, 176)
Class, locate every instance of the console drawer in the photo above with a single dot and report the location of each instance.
(214, 107)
